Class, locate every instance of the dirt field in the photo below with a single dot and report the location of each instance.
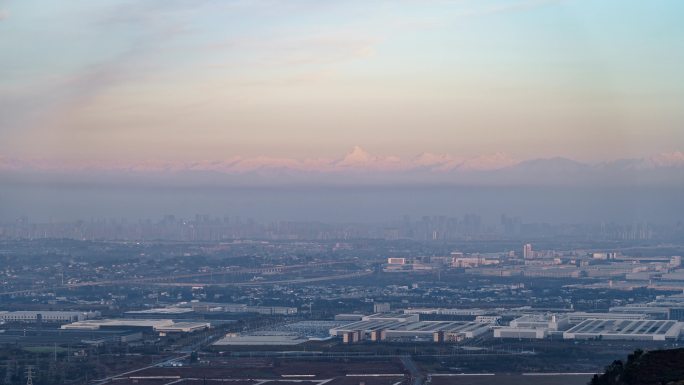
(512, 379)
(272, 372)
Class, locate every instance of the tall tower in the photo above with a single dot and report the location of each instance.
(8, 374)
(29, 375)
(527, 251)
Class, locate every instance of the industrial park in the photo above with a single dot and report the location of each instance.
(412, 309)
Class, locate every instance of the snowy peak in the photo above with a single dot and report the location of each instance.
(667, 159)
(359, 163)
(357, 156)
(360, 159)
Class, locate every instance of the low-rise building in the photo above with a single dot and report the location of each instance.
(577, 317)
(348, 317)
(533, 326)
(653, 312)
(408, 327)
(235, 339)
(162, 326)
(444, 311)
(47, 316)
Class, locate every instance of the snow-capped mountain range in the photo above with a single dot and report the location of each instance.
(359, 163)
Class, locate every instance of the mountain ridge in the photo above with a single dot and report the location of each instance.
(359, 158)
(359, 165)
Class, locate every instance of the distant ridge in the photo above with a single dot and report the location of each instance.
(359, 165)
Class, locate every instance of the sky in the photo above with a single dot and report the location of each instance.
(92, 81)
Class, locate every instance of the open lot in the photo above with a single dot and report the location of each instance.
(512, 379)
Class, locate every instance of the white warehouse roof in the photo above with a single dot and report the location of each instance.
(654, 330)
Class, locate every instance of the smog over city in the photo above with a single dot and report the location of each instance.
(301, 192)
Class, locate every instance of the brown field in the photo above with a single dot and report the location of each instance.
(274, 371)
(512, 379)
(334, 369)
(367, 380)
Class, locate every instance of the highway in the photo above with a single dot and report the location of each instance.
(167, 361)
(417, 378)
(169, 280)
(262, 283)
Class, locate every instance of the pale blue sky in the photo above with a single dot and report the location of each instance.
(180, 80)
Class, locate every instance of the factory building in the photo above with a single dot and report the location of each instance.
(677, 313)
(577, 317)
(283, 334)
(444, 311)
(653, 312)
(235, 339)
(488, 319)
(46, 316)
(533, 326)
(165, 313)
(46, 336)
(618, 329)
(348, 317)
(162, 326)
(350, 337)
(549, 321)
(520, 333)
(378, 335)
(213, 307)
(408, 327)
(425, 330)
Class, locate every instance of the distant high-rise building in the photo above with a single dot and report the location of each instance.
(527, 251)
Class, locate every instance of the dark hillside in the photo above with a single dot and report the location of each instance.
(656, 367)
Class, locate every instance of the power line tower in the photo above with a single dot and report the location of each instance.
(8, 374)
(29, 375)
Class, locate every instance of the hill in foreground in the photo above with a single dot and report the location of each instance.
(656, 367)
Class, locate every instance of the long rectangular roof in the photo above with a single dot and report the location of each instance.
(627, 328)
(418, 327)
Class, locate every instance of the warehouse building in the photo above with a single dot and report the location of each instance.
(377, 328)
(165, 312)
(653, 312)
(46, 316)
(50, 337)
(212, 307)
(349, 317)
(577, 317)
(443, 311)
(289, 334)
(369, 323)
(438, 331)
(618, 329)
(234, 339)
(161, 326)
(533, 326)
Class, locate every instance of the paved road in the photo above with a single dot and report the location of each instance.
(170, 279)
(262, 283)
(417, 378)
(160, 363)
